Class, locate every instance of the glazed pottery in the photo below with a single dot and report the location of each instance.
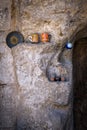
(44, 37)
(34, 38)
(14, 38)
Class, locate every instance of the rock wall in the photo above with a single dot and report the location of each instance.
(28, 100)
(60, 18)
(63, 19)
(8, 89)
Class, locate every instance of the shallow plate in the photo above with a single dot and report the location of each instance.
(14, 38)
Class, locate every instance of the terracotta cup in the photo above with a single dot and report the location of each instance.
(44, 37)
(34, 38)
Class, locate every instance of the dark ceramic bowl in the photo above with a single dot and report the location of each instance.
(14, 38)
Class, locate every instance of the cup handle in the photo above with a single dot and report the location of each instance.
(30, 38)
(49, 36)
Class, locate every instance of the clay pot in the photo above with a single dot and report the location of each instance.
(52, 79)
(57, 78)
(62, 78)
(44, 37)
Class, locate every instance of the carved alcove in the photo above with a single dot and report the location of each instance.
(79, 58)
(76, 61)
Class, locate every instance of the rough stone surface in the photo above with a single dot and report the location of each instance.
(8, 88)
(39, 98)
(61, 18)
(28, 100)
(7, 75)
(31, 64)
(8, 96)
(5, 14)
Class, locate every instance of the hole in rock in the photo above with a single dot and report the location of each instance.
(57, 73)
(80, 84)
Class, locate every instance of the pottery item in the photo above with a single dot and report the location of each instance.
(69, 45)
(57, 78)
(44, 37)
(62, 78)
(34, 38)
(52, 78)
(14, 38)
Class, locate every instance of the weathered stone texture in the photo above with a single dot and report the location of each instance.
(7, 75)
(38, 97)
(28, 100)
(5, 14)
(60, 18)
(31, 66)
(8, 88)
(8, 96)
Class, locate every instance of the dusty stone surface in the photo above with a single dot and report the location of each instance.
(7, 75)
(40, 100)
(8, 88)
(8, 97)
(62, 19)
(31, 64)
(5, 14)
(27, 99)
(36, 100)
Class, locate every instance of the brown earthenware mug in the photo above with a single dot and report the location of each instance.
(34, 38)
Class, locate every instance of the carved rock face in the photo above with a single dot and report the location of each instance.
(28, 99)
(80, 83)
(37, 103)
(58, 72)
